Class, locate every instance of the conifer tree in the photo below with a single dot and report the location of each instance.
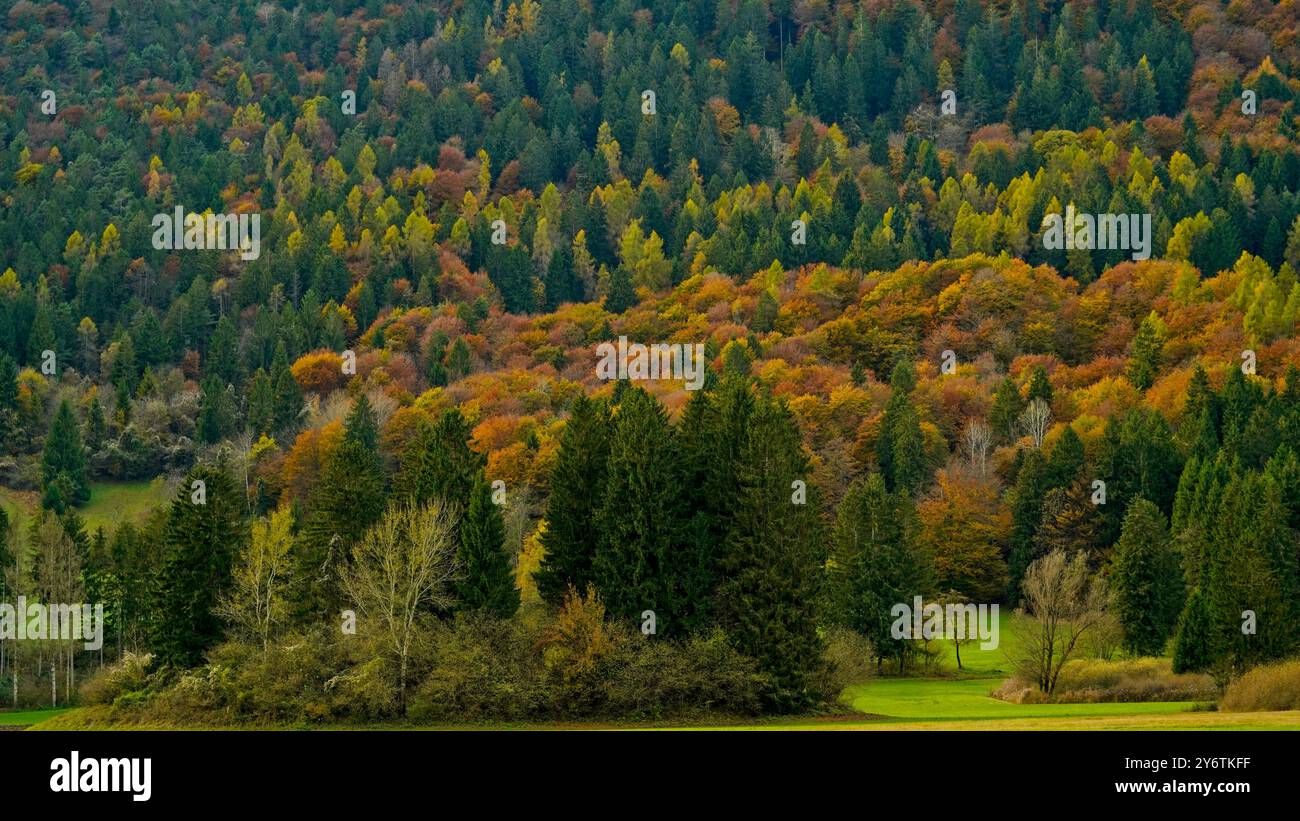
(1145, 579)
(204, 532)
(1026, 514)
(772, 563)
(641, 547)
(1144, 362)
(1007, 407)
(63, 463)
(577, 490)
(487, 577)
(288, 396)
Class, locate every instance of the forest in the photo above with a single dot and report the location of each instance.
(389, 481)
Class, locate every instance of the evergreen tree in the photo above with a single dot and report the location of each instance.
(288, 396)
(488, 581)
(772, 562)
(641, 547)
(1144, 362)
(577, 489)
(1026, 514)
(8, 404)
(621, 293)
(1040, 387)
(876, 563)
(1145, 579)
(1192, 638)
(63, 463)
(202, 536)
(1007, 407)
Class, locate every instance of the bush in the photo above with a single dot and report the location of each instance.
(703, 674)
(1267, 687)
(483, 668)
(1092, 681)
(110, 683)
(848, 657)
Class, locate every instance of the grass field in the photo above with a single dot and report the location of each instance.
(111, 503)
(969, 699)
(25, 717)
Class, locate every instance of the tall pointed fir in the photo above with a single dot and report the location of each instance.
(487, 576)
(639, 556)
(772, 564)
(577, 491)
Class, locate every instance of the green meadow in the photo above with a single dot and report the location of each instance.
(111, 503)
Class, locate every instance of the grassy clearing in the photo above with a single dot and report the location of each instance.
(111, 504)
(23, 718)
(969, 699)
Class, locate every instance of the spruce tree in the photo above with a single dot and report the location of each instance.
(772, 562)
(1192, 639)
(287, 394)
(1144, 362)
(8, 404)
(876, 563)
(203, 534)
(488, 579)
(621, 293)
(641, 546)
(1007, 407)
(63, 463)
(1145, 579)
(1026, 514)
(577, 490)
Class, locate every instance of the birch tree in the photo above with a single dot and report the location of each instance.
(404, 563)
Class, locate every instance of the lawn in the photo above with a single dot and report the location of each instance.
(23, 718)
(914, 699)
(111, 503)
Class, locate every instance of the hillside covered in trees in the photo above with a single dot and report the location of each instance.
(909, 391)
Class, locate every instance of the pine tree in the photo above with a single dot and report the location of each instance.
(288, 396)
(641, 545)
(772, 562)
(1026, 514)
(8, 404)
(488, 580)
(876, 563)
(202, 536)
(1145, 578)
(63, 463)
(621, 293)
(1145, 360)
(1007, 407)
(577, 489)
(1192, 639)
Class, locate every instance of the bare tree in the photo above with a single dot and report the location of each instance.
(976, 440)
(1035, 420)
(403, 563)
(255, 602)
(1064, 603)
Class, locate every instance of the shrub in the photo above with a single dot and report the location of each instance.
(110, 683)
(848, 657)
(1091, 681)
(1267, 687)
